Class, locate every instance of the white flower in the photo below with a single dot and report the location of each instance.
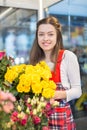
(21, 115)
(42, 99)
(19, 108)
(27, 111)
(34, 111)
(56, 103)
(28, 100)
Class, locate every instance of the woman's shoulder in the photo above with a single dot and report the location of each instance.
(69, 56)
(69, 53)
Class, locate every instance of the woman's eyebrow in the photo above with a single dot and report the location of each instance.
(43, 32)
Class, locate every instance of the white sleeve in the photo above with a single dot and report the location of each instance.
(73, 76)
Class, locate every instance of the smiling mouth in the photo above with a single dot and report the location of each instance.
(46, 44)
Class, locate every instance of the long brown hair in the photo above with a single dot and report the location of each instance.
(36, 53)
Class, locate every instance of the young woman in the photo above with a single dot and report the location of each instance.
(48, 46)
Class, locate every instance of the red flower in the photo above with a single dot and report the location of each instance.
(36, 120)
(29, 106)
(14, 116)
(48, 110)
(23, 121)
(48, 106)
(2, 54)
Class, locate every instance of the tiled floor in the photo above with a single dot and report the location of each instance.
(81, 120)
(81, 123)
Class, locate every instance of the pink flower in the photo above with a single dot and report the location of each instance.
(45, 128)
(6, 101)
(48, 110)
(24, 120)
(8, 107)
(3, 95)
(48, 106)
(36, 120)
(14, 116)
(2, 54)
(11, 97)
(48, 113)
(31, 113)
(7, 96)
(29, 106)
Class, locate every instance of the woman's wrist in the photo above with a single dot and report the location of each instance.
(60, 95)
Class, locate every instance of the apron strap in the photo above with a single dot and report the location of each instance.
(56, 76)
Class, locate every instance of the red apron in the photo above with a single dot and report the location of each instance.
(62, 119)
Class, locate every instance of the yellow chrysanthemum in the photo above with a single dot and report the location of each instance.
(46, 75)
(38, 69)
(26, 89)
(21, 88)
(29, 69)
(24, 83)
(25, 79)
(13, 72)
(35, 78)
(52, 84)
(44, 84)
(48, 86)
(19, 68)
(48, 92)
(11, 75)
(44, 70)
(36, 88)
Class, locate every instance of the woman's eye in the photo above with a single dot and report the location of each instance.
(50, 34)
(41, 34)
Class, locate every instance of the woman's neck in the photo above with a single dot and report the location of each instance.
(47, 56)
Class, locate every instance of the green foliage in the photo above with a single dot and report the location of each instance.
(4, 63)
(4, 118)
(80, 101)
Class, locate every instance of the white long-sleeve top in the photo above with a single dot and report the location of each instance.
(70, 75)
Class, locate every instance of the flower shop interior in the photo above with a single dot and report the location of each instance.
(17, 31)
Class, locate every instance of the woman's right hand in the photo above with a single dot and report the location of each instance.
(52, 100)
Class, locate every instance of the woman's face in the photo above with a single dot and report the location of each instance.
(47, 37)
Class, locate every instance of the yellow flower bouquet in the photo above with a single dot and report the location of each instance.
(33, 87)
(27, 79)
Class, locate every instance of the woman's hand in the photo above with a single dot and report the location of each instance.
(52, 100)
(61, 94)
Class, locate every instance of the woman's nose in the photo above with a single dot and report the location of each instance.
(45, 37)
